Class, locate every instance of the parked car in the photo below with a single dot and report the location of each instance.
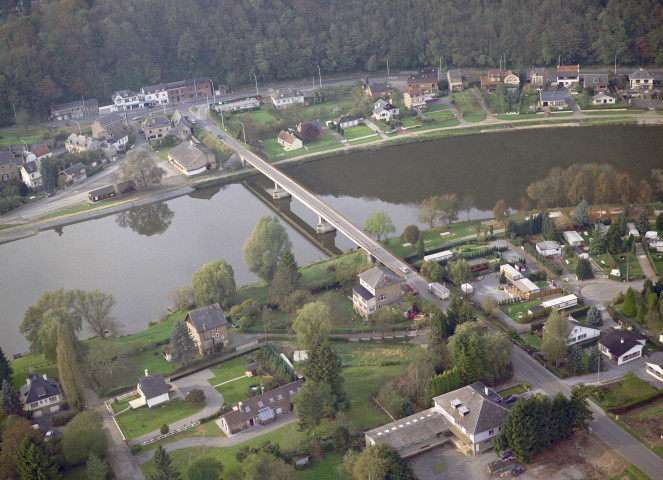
(413, 313)
(48, 436)
(511, 399)
(404, 269)
(412, 289)
(483, 325)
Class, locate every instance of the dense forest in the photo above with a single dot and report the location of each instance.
(62, 50)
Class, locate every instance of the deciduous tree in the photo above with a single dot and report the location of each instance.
(427, 212)
(68, 372)
(501, 212)
(205, 468)
(383, 318)
(411, 234)
(182, 346)
(555, 333)
(84, 436)
(183, 298)
(264, 466)
(95, 308)
(645, 192)
(264, 248)
(312, 324)
(214, 283)
(140, 169)
(625, 188)
(467, 204)
(379, 225)
(459, 271)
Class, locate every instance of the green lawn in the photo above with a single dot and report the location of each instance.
(228, 370)
(657, 262)
(325, 469)
(145, 420)
(38, 362)
(626, 391)
(358, 353)
(274, 151)
(468, 106)
(266, 114)
(436, 107)
(517, 390)
(235, 391)
(356, 132)
(359, 382)
(531, 339)
(521, 116)
(208, 429)
(317, 272)
(441, 115)
(630, 473)
(514, 311)
(122, 404)
(614, 112)
(14, 136)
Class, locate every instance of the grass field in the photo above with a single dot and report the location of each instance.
(613, 112)
(14, 137)
(209, 429)
(468, 106)
(521, 116)
(441, 115)
(38, 362)
(531, 339)
(436, 107)
(626, 391)
(356, 132)
(274, 151)
(228, 370)
(145, 420)
(122, 404)
(357, 353)
(235, 391)
(519, 310)
(359, 383)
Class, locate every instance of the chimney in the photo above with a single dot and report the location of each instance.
(622, 339)
(240, 405)
(485, 389)
(146, 372)
(262, 389)
(204, 327)
(45, 377)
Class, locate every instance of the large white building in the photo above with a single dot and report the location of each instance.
(581, 333)
(549, 248)
(283, 98)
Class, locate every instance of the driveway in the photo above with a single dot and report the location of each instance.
(213, 401)
(603, 290)
(644, 262)
(444, 463)
(615, 372)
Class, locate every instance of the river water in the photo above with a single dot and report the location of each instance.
(139, 256)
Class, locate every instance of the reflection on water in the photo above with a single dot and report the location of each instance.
(148, 220)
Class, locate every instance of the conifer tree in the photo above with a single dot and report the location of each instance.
(421, 250)
(595, 362)
(594, 317)
(288, 261)
(324, 365)
(34, 463)
(559, 420)
(629, 307)
(6, 370)
(581, 414)
(642, 222)
(575, 359)
(182, 346)
(164, 468)
(311, 404)
(68, 372)
(95, 468)
(580, 217)
(10, 401)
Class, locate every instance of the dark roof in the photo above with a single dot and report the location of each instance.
(426, 75)
(268, 401)
(74, 169)
(455, 75)
(641, 74)
(109, 119)
(595, 79)
(557, 95)
(411, 430)
(580, 324)
(31, 167)
(6, 157)
(362, 292)
(117, 137)
(185, 83)
(153, 385)
(208, 317)
(621, 341)
(156, 122)
(477, 261)
(484, 410)
(90, 102)
(251, 367)
(379, 88)
(539, 72)
(102, 191)
(39, 389)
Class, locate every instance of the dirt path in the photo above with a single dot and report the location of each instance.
(644, 262)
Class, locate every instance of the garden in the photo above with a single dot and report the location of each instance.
(468, 106)
(518, 311)
(135, 423)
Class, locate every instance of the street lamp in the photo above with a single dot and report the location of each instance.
(256, 78)
(213, 92)
(320, 75)
(79, 126)
(243, 131)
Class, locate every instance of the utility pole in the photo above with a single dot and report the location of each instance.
(254, 76)
(387, 69)
(15, 117)
(320, 75)
(615, 65)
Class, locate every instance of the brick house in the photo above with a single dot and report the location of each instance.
(568, 75)
(40, 395)
(538, 76)
(208, 327)
(8, 166)
(425, 80)
(189, 90)
(414, 99)
(378, 287)
(156, 127)
(74, 174)
(597, 81)
(108, 126)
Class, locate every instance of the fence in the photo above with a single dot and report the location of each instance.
(178, 430)
(545, 293)
(118, 398)
(246, 345)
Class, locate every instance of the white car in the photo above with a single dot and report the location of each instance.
(48, 436)
(404, 269)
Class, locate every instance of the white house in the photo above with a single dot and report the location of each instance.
(581, 332)
(556, 98)
(641, 79)
(573, 238)
(655, 370)
(283, 98)
(127, 100)
(439, 256)
(383, 110)
(549, 248)
(622, 346)
(603, 98)
(510, 272)
(152, 389)
(155, 95)
(346, 121)
(511, 78)
(560, 303)
(30, 174)
(40, 395)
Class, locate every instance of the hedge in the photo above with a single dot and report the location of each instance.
(638, 402)
(63, 418)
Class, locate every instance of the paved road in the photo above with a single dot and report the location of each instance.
(602, 426)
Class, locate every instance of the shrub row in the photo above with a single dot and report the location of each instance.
(638, 402)
(63, 418)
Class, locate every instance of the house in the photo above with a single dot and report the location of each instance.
(549, 248)
(42, 153)
(488, 85)
(30, 174)
(314, 124)
(288, 141)
(189, 90)
(511, 78)
(581, 332)
(537, 76)
(153, 390)
(641, 79)
(414, 99)
(126, 100)
(182, 124)
(251, 369)
(107, 191)
(346, 121)
(156, 127)
(424, 80)
(561, 303)
(79, 108)
(597, 81)
(261, 409)
(523, 287)
(622, 346)
(377, 288)
(108, 126)
(208, 327)
(655, 370)
(283, 98)
(555, 98)
(81, 143)
(573, 238)
(8, 166)
(74, 174)
(603, 99)
(631, 230)
(510, 272)
(40, 395)
(455, 79)
(119, 141)
(478, 265)
(568, 75)
(378, 90)
(237, 104)
(383, 110)
(154, 95)
(192, 158)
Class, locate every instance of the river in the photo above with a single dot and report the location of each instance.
(139, 256)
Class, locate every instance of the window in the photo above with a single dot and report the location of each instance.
(279, 396)
(260, 404)
(382, 297)
(271, 400)
(580, 337)
(491, 431)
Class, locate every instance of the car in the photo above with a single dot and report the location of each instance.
(413, 313)
(48, 436)
(511, 399)
(483, 325)
(412, 289)
(219, 137)
(404, 269)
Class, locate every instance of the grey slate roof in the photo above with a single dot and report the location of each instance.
(74, 169)
(210, 317)
(189, 156)
(455, 75)
(31, 167)
(345, 118)
(553, 96)
(410, 430)
(362, 292)
(289, 93)
(156, 122)
(381, 105)
(109, 119)
(102, 191)
(602, 95)
(477, 261)
(378, 277)
(378, 88)
(580, 324)
(641, 74)
(252, 366)
(591, 79)
(6, 157)
(613, 341)
(537, 71)
(153, 385)
(265, 404)
(39, 389)
(484, 413)
(548, 245)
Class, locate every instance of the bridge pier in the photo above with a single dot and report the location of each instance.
(328, 239)
(283, 204)
(279, 192)
(370, 257)
(324, 226)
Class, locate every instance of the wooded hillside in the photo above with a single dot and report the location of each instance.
(70, 48)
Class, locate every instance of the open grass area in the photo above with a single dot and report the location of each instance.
(320, 271)
(357, 353)
(521, 116)
(135, 423)
(614, 112)
(122, 404)
(208, 429)
(468, 106)
(440, 115)
(631, 473)
(265, 115)
(365, 140)
(38, 362)
(625, 391)
(274, 151)
(359, 383)
(235, 391)
(358, 131)
(15, 136)
(324, 469)
(436, 107)
(657, 262)
(518, 311)
(229, 370)
(531, 339)
(517, 390)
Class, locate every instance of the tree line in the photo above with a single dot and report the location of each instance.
(69, 49)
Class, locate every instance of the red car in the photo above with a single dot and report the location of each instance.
(413, 314)
(412, 289)
(483, 325)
